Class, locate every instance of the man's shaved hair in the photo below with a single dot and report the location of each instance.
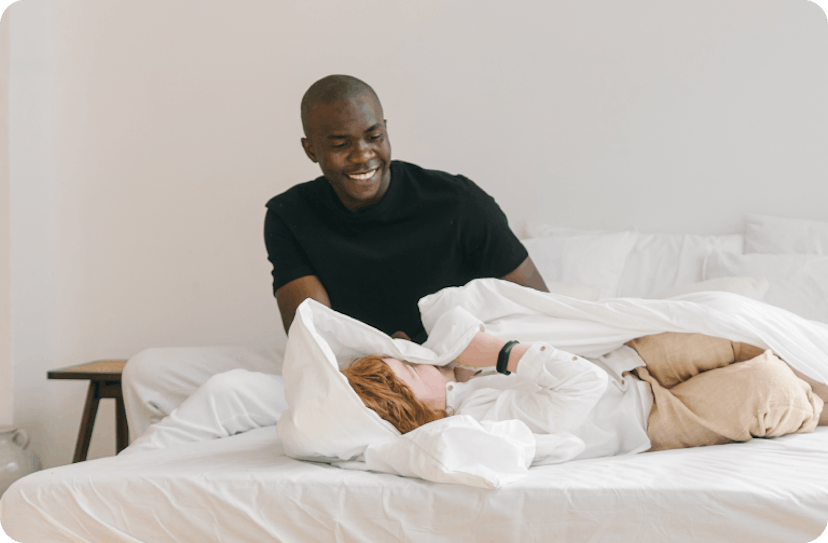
(332, 89)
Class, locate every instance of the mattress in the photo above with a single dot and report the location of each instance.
(243, 488)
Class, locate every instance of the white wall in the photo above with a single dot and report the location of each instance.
(33, 194)
(6, 371)
(147, 136)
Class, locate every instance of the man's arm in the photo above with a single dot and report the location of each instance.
(527, 275)
(290, 295)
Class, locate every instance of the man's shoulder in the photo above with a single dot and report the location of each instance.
(302, 192)
(429, 179)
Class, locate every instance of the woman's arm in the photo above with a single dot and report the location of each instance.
(483, 350)
(568, 386)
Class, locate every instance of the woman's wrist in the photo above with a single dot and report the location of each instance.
(515, 355)
(483, 351)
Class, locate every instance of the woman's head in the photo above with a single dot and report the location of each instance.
(379, 386)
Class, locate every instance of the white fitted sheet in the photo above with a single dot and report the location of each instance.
(243, 489)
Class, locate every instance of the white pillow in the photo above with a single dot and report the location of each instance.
(798, 283)
(776, 235)
(663, 261)
(750, 287)
(596, 261)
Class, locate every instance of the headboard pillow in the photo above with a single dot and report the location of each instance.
(592, 260)
(626, 263)
(798, 283)
(777, 235)
(664, 261)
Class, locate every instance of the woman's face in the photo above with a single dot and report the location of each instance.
(428, 383)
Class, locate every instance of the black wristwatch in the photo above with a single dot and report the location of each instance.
(503, 357)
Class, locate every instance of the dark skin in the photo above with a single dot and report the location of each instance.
(349, 141)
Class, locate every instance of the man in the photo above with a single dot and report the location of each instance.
(369, 239)
(372, 236)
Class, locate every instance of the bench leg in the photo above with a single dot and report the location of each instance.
(90, 410)
(121, 430)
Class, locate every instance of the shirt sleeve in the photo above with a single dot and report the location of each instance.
(283, 251)
(568, 387)
(490, 248)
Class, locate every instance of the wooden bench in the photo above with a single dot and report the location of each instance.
(104, 378)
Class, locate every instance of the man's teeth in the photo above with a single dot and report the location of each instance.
(362, 176)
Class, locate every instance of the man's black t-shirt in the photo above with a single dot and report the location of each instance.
(431, 230)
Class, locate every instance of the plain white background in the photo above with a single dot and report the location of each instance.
(145, 137)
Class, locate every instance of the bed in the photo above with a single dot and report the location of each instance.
(243, 488)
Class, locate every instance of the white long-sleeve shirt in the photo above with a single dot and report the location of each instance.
(555, 392)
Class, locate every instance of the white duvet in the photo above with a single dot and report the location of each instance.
(327, 422)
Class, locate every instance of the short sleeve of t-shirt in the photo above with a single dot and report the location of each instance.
(284, 252)
(490, 247)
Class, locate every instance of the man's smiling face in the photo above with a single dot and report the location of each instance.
(348, 140)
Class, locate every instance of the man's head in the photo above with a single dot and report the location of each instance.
(345, 134)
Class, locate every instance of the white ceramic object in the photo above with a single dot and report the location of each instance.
(15, 460)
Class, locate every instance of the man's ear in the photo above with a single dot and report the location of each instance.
(306, 145)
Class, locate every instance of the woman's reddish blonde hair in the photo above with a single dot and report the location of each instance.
(381, 390)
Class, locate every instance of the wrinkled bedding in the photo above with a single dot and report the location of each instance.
(243, 488)
(327, 421)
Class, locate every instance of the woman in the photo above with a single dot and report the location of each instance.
(686, 390)
(629, 400)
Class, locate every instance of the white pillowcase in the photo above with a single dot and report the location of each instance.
(663, 261)
(595, 261)
(798, 283)
(776, 235)
(750, 287)
(656, 263)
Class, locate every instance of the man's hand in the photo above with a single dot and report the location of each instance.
(290, 295)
